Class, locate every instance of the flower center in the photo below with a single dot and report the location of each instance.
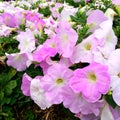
(118, 74)
(65, 37)
(92, 77)
(88, 46)
(59, 81)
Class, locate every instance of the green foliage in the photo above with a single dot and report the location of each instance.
(8, 44)
(35, 5)
(83, 33)
(41, 39)
(110, 100)
(34, 71)
(75, 4)
(79, 18)
(45, 11)
(100, 4)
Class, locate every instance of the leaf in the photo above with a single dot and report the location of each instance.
(1, 96)
(110, 100)
(9, 87)
(6, 76)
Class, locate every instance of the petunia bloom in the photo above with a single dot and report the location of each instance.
(77, 104)
(9, 19)
(18, 60)
(92, 81)
(26, 41)
(117, 2)
(54, 81)
(25, 87)
(95, 19)
(38, 95)
(114, 70)
(66, 39)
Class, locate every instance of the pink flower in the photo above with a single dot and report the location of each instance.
(26, 41)
(48, 49)
(55, 10)
(9, 19)
(20, 18)
(38, 95)
(17, 60)
(32, 16)
(92, 81)
(40, 24)
(117, 2)
(66, 39)
(54, 81)
(95, 19)
(106, 38)
(25, 87)
(77, 104)
(83, 52)
(114, 69)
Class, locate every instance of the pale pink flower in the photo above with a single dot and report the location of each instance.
(106, 114)
(115, 112)
(9, 19)
(77, 104)
(117, 2)
(55, 10)
(54, 81)
(106, 38)
(92, 81)
(95, 19)
(26, 41)
(38, 95)
(17, 60)
(5, 30)
(31, 16)
(1, 20)
(20, 18)
(114, 70)
(25, 86)
(48, 49)
(67, 12)
(83, 52)
(66, 39)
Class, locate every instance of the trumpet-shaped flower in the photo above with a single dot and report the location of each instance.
(83, 52)
(9, 19)
(26, 41)
(77, 104)
(66, 39)
(117, 2)
(54, 81)
(38, 95)
(92, 81)
(48, 49)
(106, 38)
(25, 87)
(95, 19)
(18, 60)
(114, 69)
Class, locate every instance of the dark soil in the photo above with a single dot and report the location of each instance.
(33, 112)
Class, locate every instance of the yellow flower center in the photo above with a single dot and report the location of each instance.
(87, 46)
(65, 37)
(59, 81)
(118, 74)
(92, 77)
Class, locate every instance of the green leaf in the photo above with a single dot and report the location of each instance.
(9, 87)
(1, 96)
(110, 100)
(45, 11)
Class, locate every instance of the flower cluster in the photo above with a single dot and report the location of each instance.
(80, 74)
